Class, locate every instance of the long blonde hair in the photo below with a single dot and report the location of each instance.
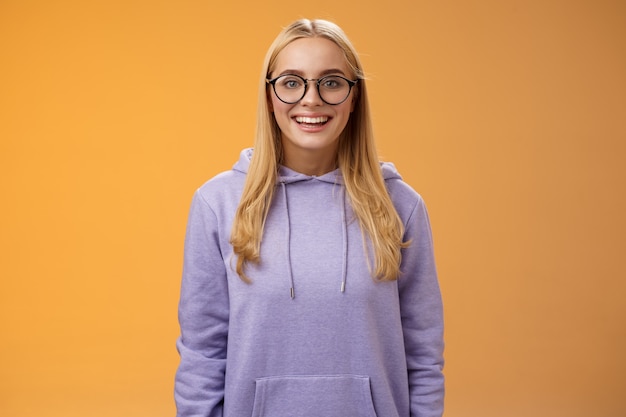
(356, 158)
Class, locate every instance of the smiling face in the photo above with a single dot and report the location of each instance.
(310, 128)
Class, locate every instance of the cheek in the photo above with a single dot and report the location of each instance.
(279, 108)
(346, 109)
(280, 111)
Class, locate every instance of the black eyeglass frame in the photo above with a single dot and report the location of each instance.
(318, 81)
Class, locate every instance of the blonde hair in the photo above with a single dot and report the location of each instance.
(356, 158)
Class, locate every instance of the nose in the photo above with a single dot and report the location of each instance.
(312, 95)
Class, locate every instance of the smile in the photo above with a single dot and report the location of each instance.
(311, 120)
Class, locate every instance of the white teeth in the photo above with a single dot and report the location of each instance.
(311, 120)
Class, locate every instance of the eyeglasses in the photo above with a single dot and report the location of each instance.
(291, 88)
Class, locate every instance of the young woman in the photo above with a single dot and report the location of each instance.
(309, 286)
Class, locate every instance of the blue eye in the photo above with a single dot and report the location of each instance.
(333, 83)
(291, 83)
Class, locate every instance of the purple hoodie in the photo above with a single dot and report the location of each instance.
(313, 335)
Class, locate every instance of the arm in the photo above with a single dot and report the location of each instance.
(203, 317)
(422, 317)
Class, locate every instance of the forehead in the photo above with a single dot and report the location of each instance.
(311, 56)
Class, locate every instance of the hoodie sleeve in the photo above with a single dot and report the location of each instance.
(422, 317)
(203, 317)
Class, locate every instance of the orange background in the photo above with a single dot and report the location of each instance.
(509, 117)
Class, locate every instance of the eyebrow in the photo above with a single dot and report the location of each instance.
(322, 74)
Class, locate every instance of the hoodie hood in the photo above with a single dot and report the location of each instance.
(288, 176)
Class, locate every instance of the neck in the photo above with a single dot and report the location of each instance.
(310, 162)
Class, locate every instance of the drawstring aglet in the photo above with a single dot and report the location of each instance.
(292, 293)
(343, 286)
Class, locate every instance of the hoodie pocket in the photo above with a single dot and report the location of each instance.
(313, 396)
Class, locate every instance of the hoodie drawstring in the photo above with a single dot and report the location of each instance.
(288, 240)
(344, 264)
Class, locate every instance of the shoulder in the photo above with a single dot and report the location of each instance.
(404, 197)
(223, 191)
(223, 181)
(401, 192)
